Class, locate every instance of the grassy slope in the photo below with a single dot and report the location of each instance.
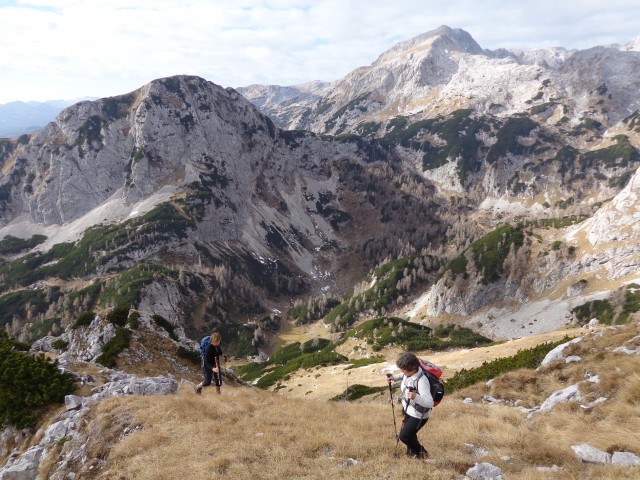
(252, 434)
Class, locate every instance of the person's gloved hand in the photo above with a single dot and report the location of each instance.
(389, 378)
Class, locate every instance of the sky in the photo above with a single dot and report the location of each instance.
(72, 49)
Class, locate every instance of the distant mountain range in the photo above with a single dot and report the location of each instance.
(445, 69)
(18, 118)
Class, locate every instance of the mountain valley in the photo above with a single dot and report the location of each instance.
(446, 199)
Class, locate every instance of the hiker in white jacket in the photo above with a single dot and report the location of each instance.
(416, 402)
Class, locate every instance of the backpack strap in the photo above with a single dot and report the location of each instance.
(415, 405)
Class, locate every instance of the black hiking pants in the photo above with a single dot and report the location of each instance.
(409, 435)
(211, 375)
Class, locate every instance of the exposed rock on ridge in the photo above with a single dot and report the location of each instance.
(445, 69)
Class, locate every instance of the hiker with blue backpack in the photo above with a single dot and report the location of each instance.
(417, 402)
(210, 353)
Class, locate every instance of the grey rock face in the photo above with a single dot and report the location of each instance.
(24, 467)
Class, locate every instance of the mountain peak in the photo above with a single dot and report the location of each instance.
(444, 37)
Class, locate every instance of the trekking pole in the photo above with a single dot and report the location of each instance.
(395, 426)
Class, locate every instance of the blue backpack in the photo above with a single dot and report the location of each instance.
(203, 345)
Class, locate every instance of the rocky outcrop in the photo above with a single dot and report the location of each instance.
(619, 220)
(589, 454)
(65, 429)
(558, 353)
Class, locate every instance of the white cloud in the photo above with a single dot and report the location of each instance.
(75, 48)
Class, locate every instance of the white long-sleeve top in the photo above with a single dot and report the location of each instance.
(421, 405)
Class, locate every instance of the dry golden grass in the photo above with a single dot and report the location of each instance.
(251, 434)
(247, 433)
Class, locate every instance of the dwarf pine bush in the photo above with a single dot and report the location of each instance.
(113, 347)
(529, 358)
(28, 384)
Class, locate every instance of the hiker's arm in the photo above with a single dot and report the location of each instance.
(423, 398)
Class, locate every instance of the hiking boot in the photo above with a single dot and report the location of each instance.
(198, 389)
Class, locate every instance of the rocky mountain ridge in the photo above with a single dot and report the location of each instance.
(445, 69)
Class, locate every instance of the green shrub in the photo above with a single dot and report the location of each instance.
(610, 314)
(134, 320)
(114, 347)
(489, 252)
(564, 203)
(459, 130)
(130, 285)
(242, 345)
(99, 245)
(362, 362)
(529, 358)
(459, 265)
(12, 245)
(290, 358)
(118, 316)
(619, 155)
(167, 325)
(600, 309)
(307, 360)
(538, 109)
(84, 319)
(296, 349)
(383, 331)
(557, 222)
(354, 392)
(507, 138)
(313, 310)
(383, 292)
(60, 344)
(252, 370)
(15, 303)
(192, 356)
(631, 302)
(28, 384)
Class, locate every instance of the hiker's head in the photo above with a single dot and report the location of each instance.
(216, 339)
(408, 363)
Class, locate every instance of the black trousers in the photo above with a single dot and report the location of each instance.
(211, 375)
(409, 435)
